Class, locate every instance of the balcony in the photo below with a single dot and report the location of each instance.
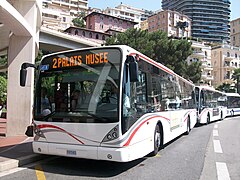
(229, 58)
(209, 77)
(198, 54)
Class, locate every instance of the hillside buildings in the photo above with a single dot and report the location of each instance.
(235, 32)
(170, 22)
(210, 18)
(202, 53)
(103, 22)
(129, 13)
(58, 14)
(225, 59)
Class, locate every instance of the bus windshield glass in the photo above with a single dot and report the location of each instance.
(79, 87)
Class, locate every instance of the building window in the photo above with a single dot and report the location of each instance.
(236, 55)
(96, 36)
(228, 54)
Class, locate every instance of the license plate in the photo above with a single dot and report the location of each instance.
(71, 152)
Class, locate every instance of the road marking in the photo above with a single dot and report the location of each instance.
(11, 171)
(216, 126)
(215, 132)
(157, 155)
(222, 171)
(39, 172)
(217, 146)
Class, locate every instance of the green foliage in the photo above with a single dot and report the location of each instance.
(3, 62)
(156, 45)
(193, 71)
(236, 77)
(79, 21)
(226, 88)
(39, 56)
(3, 90)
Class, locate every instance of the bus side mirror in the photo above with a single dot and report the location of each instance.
(23, 72)
(133, 68)
(23, 76)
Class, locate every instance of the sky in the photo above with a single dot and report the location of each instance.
(153, 5)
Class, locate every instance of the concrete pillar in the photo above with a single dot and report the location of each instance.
(22, 48)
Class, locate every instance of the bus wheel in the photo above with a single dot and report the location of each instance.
(157, 141)
(188, 126)
(208, 119)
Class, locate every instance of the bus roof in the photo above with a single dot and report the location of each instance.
(232, 94)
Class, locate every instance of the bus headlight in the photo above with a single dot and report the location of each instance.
(112, 134)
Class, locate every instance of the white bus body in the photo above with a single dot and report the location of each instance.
(211, 104)
(233, 104)
(161, 105)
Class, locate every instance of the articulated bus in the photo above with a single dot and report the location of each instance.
(211, 104)
(108, 103)
(233, 104)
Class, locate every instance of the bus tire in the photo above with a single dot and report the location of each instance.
(157, 141)
(188, 126)
(208, 119)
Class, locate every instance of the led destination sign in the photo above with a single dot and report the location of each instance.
(74, 59)
(77, 60)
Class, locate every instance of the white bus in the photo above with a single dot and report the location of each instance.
(233, 104)
(211, 104)
(152, 106)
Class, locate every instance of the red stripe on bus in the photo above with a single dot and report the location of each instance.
(135, 131)
(56, 127)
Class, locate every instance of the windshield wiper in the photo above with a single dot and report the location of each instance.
(48, 116)
(97, 117)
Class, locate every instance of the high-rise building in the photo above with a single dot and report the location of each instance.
(210, 18)
(235, 32)
(58, 14)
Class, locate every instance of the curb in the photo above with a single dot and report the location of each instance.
(14, 163)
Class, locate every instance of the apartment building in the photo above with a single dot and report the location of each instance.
(129, 13)
(202, 53)
(235, 32)
(173, 23)
(58, 14)
(144, 25)
(210, 18)
(104, 22)
(225, 59)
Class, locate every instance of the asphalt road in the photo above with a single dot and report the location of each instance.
(190, 157)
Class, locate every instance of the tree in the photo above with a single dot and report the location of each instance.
(236, 77)
(3, 90)
(225, 87)
(156, 45)
(79, 21)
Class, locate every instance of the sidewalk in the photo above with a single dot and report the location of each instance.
(16, 152)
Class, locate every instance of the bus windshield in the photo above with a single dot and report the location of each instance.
(85, 89)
